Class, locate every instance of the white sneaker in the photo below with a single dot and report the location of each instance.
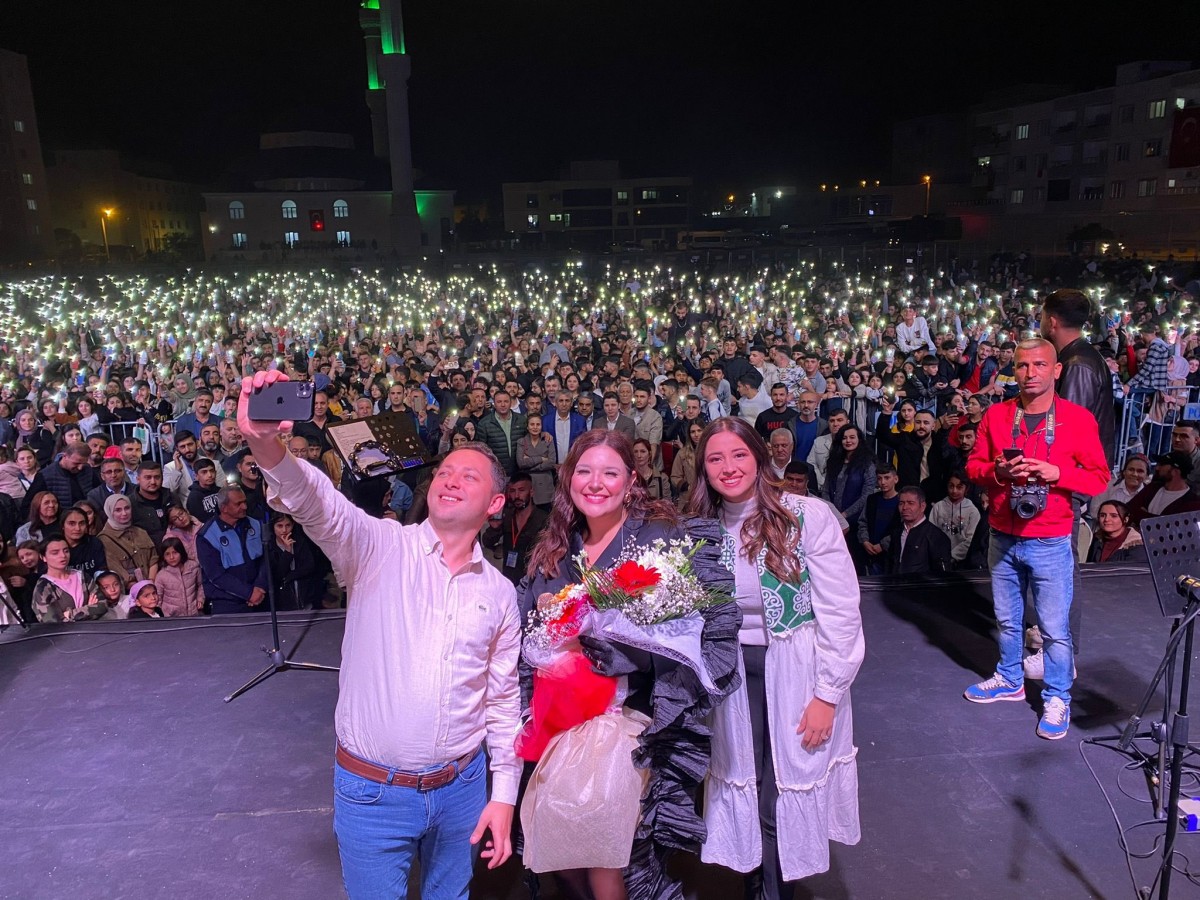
(1035, 666)
(1056, 720)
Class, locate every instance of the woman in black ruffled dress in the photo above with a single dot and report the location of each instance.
(601, 508)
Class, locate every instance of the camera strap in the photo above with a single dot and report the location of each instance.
(1019, 415)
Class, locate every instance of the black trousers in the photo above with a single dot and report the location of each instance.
(767, 882)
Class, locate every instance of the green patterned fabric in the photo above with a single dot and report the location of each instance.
(785, 606)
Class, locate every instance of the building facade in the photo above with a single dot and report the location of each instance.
(26, 233)
(593, 207)
(142, 209)
(1125, 158)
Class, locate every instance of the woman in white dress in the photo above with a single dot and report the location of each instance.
(783, 781)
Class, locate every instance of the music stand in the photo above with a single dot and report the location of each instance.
(1172, 550)
(377, 446)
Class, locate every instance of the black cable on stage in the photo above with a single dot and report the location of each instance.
(1122, 832)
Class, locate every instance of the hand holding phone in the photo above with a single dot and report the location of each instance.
(282, 401)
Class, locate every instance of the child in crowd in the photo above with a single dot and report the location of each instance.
(107, 589)
(202, 495)
(145, 596)
(179, 582)
(183, 526)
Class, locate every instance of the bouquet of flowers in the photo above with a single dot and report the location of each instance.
(583, 740)
(648, 599)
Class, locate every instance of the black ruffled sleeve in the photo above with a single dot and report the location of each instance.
(676, 746)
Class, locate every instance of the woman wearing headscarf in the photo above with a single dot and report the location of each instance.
(128, 548)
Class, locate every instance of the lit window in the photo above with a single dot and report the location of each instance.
(622, 196)
(555, 217)
(343, 239)
(1022, 132)
(26, 178)
(289, 209)
(1017, 196)
(31, 203)
(1147, 187)
(532, 220)
(341, 209)
(240, 240)
(650, 195)
(1180, 103)
(984, 161)
(1157, 109)
(237, 210)
(291, 238)
(1116, 190)
(18, 125)
(1152, 148)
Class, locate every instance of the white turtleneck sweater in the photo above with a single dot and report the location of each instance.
(748, 587)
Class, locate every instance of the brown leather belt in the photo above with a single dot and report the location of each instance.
(426, 781)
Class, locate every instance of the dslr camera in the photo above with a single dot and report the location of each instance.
(1028, 500)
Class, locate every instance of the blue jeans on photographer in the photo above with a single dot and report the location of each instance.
(381, 829)
(1045, 567)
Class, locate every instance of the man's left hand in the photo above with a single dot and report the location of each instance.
(496, 818)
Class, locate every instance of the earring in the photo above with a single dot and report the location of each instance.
(628, 499)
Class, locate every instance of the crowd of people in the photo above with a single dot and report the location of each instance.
(869, 392)
(808, 424)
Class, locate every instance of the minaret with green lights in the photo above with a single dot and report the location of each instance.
(388, 70)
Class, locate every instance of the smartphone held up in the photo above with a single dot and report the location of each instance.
(283, 401)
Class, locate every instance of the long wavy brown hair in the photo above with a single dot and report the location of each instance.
(773, 526)
(565, 520)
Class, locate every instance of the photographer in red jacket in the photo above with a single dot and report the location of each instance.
(1032, 453)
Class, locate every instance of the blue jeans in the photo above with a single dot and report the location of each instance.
(1045, 567)
(381, 828)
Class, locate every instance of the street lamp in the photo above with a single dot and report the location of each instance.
(107, 214)
(928, 182)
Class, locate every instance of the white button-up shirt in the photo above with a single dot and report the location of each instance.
(429, 656)
(562, 436)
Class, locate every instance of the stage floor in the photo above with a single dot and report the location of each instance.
(126, 775)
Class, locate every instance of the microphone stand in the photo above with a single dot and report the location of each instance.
(279, 662)
(1177, 732)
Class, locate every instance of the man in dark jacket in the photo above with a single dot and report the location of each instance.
(922, 457)
(230, 552)
(69, 479)
(519, 528)
(917, 547)
(1168, 492)
(1085, 378)
(501, 429)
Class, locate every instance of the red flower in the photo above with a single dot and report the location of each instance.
(631, 578)
(568, 622)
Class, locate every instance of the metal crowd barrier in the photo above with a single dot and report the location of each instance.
(1147, 417)
(161, 444)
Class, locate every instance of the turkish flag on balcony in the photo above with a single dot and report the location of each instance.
(1185, 139)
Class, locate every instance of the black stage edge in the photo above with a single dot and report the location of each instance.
(125, 775)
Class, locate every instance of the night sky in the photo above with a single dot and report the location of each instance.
(733, 94)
